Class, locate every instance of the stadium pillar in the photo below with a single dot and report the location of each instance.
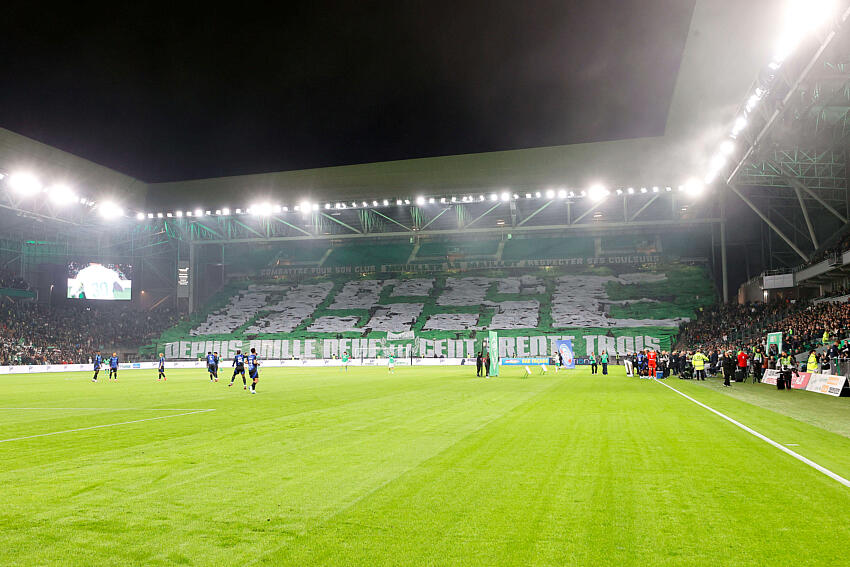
(723, 271)
(192, 278)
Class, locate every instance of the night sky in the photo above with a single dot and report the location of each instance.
(163, 94)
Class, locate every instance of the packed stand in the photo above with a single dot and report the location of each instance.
(732, 337)
(8, 280)
(34, 333)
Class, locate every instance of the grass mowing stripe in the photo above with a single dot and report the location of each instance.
(103, 425)
(764, 438)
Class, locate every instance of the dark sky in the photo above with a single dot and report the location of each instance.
(167, 95)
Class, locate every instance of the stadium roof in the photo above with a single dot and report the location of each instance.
(707, 93)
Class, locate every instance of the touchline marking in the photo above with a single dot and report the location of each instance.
(104, 425)
(765, 438)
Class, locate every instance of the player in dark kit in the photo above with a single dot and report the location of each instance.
(212, 365)
(254, 369)
(161, 367)
(98, 362)
(113, 366)
(239, 368)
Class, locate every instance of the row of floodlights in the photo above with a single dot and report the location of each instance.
(596, 193)
(26, 185)
(801, 18)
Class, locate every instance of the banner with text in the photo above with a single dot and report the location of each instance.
(616, 343)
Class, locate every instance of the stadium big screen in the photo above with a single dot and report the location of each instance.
(93, 280)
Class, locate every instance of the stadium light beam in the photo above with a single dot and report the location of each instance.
(110, 210)
(25, 184)
(694, 187)
(61, 195)
(597, 192)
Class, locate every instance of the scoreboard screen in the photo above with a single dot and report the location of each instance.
(103, 281)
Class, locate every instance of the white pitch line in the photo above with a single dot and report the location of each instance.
(765, 438)
(104, 425)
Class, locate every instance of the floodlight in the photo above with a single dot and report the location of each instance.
(398, 201)
(407, 201)
(110, 210)
(630, 190)
(442, 199)
(454, 199)
(159, 215)
(199, 213)
(740, 124)
(655, 189)
(25, 184)
(285, 209)
(386, 203)
(150, 215)
(420, 200)
(619, 191)
(225, 212)
(550, 194)
(528, 195)
(306, 206)
(493, 196)
(718, 162)
(694, 186)
(506, 196)
(727, 147)
(374, 203)
(140, 216)
(597, 192)
(188, 213)
(562, 193)
(643, 189)
(178, 214)
(61, 195)
(431, 200)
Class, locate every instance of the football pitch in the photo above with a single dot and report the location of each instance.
(429, 466)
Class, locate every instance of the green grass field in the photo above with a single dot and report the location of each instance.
(429, 466)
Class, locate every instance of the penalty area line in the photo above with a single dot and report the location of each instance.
(764, 438)
(104, 425)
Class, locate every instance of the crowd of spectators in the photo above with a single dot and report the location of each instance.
(744, 327)
(839, 247)
(37, 333)
(8, 280)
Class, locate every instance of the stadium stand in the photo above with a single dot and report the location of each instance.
(417, 287)
(524, 285)
(335, 324)
(516, 315)
(465, 291)
(241, 309)
(529, 249)
(452, 322)
(10, 280)
(360, 294)
(396, 317)
(37, 333)
(369, 254)
(442, 249)
(296, 306)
